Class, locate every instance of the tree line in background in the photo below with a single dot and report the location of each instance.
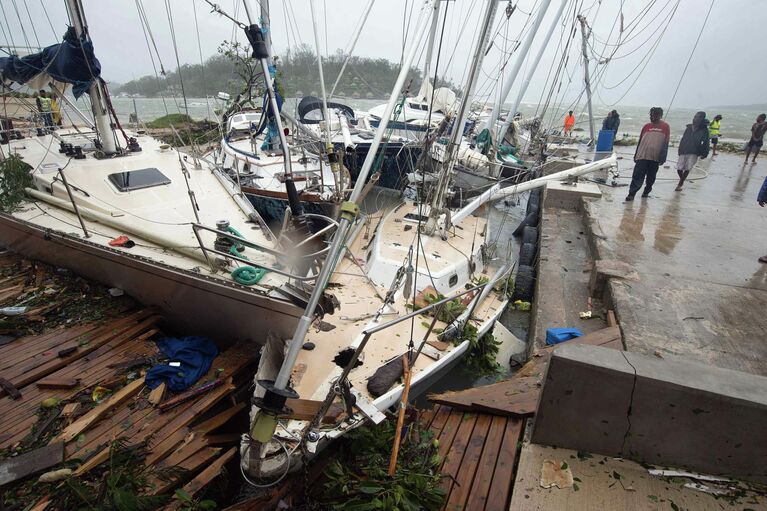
(233, 70)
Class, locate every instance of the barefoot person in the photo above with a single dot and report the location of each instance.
(762, 199)
(713, 133)
(694, 145)
(757, 137)
(650, 154)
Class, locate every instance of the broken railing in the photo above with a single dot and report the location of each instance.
(369, 332)
(196, 227)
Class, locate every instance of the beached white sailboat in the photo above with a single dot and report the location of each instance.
(165, 227)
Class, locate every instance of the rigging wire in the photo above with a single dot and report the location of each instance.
(690, 57)
(144, 28)
(21, 24)
(175, 50)
(32, 24)
(5, 17)
(419, 242)
(45, 11)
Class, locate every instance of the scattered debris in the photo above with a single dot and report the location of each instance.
(556, 473)
(683, 473)
(28, 463)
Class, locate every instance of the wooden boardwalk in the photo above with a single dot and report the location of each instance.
(478, 452)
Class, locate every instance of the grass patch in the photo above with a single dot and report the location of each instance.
(166, 121)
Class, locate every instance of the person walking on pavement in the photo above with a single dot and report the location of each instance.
(650, 153)
(713, 133)
(757, 137)
(569, 123)
(694, 145)
(762, 200)
(612, 122)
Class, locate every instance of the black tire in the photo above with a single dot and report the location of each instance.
(527, 254)
(531, 219)
(533, 202)
(524, 283)
(530, 235)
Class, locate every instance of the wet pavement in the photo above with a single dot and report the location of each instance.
(702, 292)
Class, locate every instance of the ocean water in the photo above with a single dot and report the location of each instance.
(736, 124)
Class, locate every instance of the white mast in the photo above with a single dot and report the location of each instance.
(266, 23)
(96, 91)
(430, 49)
(531, 72)
(325, 114)
(490, 124)
(349, 212)
(460, 120)
(584, 37)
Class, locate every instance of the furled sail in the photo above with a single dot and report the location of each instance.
(72, 61)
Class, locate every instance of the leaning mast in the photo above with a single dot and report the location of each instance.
(97, 91)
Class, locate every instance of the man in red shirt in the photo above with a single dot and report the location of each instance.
(650, 153)
(569, 123)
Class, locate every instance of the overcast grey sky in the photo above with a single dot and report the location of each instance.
(727, 67)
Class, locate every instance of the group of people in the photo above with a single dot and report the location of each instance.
(610, 123)
(49, 108)
(652, 148)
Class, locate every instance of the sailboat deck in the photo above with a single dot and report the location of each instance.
(361, 300)
(165, 211)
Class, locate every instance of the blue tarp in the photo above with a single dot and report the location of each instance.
(72, 61)
(195, 354)
(557, 335)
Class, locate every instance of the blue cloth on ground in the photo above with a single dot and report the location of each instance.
(557, 335)
(195, 354)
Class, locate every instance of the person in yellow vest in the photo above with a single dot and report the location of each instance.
(713, 132)
(45, 108)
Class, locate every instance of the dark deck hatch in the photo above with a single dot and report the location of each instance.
(138, 179)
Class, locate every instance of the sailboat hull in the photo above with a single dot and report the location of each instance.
(271, 206)
(191, 303)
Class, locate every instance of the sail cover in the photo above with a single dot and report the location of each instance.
(72, 61)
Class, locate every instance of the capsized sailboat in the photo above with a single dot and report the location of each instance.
(129, 211)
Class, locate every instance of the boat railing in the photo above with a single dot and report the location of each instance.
(197, 227)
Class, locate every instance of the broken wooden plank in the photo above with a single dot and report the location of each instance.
(190, 394)
(207, 475)
(611, 321)
(515, 397)
(10, 389)
(157, 394)
(58, 383)
(13, 469)
(93, 461)
(66, 351)
(219, 420)
(77, 427)
(130, 364)
(69, 410)
(224, 439)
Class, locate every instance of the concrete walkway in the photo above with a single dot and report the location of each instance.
(701, 292)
